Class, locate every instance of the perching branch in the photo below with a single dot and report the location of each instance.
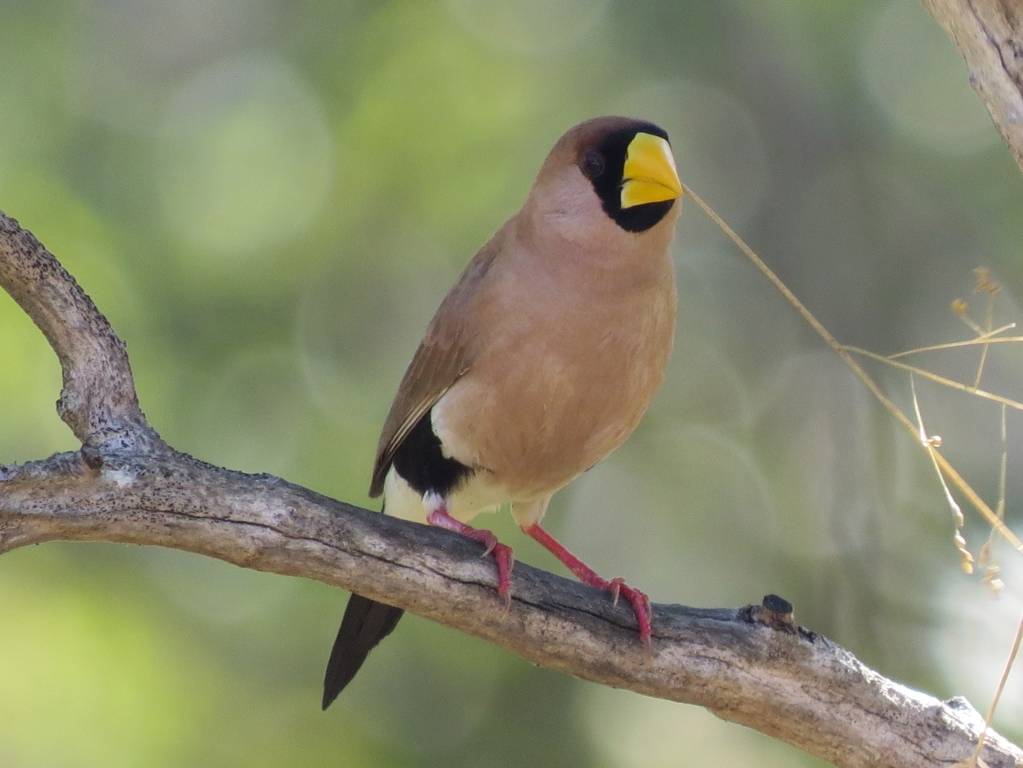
(989, 34)
(752, 665)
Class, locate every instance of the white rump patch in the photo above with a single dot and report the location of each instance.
(432, 501)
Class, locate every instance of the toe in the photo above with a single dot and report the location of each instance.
(640, 603)
(505, 557)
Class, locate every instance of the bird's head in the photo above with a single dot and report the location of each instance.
(611, 177)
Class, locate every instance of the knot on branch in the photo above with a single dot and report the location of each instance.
(774, 612)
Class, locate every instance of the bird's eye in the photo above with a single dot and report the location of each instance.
(592, 165)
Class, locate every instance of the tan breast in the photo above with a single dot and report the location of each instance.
(578, 360)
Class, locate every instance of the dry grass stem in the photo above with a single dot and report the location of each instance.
(992, 572)
(937, 378)
(989, 337)
(930, 443)
(991, 288)
(1006, 670)
(948, 472)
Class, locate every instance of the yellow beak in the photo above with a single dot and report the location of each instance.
(649, 175)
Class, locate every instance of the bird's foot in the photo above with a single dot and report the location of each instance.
(639, 601)
(503, 555)
(617, 587)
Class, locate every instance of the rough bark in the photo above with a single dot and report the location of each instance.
(752, 665)
(989, 34)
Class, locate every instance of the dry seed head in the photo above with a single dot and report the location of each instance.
(992, 578)
(985, 283)
(965, 558)
(995, 585)
(960, 308)
(984, 556)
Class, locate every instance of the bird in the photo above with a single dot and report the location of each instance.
(539, 362)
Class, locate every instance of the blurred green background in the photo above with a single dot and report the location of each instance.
(269, 198)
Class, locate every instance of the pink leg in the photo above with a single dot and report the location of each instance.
(502, 553)
(617, 586)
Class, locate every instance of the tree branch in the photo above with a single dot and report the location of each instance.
(989, 34)
(751, 665)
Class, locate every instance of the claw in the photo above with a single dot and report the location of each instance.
(615, 587)
(489, 542)
(505, 558)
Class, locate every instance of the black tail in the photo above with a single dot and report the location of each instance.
(365, 623)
